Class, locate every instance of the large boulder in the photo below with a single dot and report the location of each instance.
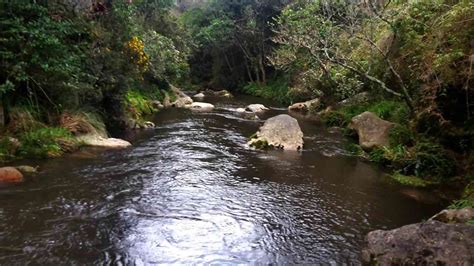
(304, 107)
(281, 132)
(256, 108)
(372, 131)
(10, 175)
(98, 141)
(200, 107)
(428, 243)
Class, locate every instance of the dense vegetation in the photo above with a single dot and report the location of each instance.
(69, 63)
(64, 61)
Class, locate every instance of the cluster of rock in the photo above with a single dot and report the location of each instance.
(445, 239)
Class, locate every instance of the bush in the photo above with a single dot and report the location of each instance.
(334, 119)
(46, 143)
(276, 89)
(138, 105)
(412, 181)
(432, 160)
(401, 135)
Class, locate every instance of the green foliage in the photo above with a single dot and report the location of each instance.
(355, 149)
(46, 142)
(432, 160)
(139, 105)
(275, 89)
(467, 199)
(334, 119)
(401, 135)
(260, 144)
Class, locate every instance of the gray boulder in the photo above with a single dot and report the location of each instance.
(429, 243)
(372, 131)
(281, 132)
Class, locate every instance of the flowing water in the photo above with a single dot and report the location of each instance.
(191, 192)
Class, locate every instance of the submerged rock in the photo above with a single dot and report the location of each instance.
(305, 107)
(148, 124)
(98, 141)
(27, 169)
(201, 107)
(428, 243)
(10, 175)
(372, 131)
(281, 132)
(256, 108)
(240, 110)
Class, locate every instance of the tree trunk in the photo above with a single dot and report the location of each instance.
(262, 70)
(2, 114)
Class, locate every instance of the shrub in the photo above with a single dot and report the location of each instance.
(46, 142)
(276, 89)
(79, 123)
(401, 135)
(138, 104)
(334, 119)
(412, 181)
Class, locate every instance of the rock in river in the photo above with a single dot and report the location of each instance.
(428, 243)
(304, 107)
(200, 107)
(372, 131)
(282, 132)
(199, 95)
(98, 141)
(10, 175)
(256, 108)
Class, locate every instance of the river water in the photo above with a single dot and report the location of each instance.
(192, 192)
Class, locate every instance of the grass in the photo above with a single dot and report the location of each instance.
(46, 143)
(275, 89)
(412, 181)
(393, 111)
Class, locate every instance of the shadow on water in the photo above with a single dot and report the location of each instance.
(190, 191)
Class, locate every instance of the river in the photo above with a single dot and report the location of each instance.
(192, 192)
